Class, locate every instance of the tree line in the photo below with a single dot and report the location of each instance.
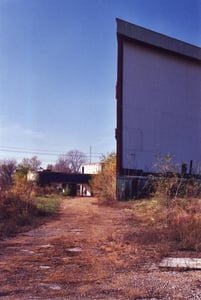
(103, 184)
(66, 163)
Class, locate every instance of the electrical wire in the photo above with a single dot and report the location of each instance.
(43, 152)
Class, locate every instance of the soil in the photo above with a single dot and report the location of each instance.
(91, 251)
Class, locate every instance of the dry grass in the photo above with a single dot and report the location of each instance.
(177, 227)
(120, 248)
(17, 212)
(185, 226)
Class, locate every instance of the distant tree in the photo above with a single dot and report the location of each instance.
(104, 183)
(20, 177)
(7, 170)
(50, 167)
(70, 162)
(30, 163)
(75, 159)
(61, 165)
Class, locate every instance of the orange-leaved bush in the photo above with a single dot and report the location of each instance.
(104, 183)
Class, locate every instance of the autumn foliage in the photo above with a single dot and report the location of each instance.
(104, 183)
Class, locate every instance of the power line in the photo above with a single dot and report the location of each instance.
(39, 150)
(42, 152)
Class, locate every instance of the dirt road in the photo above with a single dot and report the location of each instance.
(87, 253)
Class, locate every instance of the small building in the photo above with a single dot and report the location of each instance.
(92, 169)
(32, 176)
(158, 103)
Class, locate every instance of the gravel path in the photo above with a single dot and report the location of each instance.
(86, 253)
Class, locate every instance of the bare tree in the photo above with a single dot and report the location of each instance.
(75, 159)
(7, 170)
(31, 163)
(70, 162)
(61, 165)
(50, 167)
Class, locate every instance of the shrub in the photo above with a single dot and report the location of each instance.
(104, 183)
(66, 191)
(183, 213)
(178, 227)
(184, 223)
(17, 211)
(169, 184)
(166, 183)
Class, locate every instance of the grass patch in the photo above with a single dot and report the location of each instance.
(46, 204)
(184, 223)
(18, 213)
(148, 211)
(178, 225)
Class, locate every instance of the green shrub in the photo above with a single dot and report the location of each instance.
(46, 204)
(66, 191)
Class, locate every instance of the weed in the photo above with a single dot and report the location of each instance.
(16, 211)
(177, 226)
(175, 194)
(185, 226)
(46, 204)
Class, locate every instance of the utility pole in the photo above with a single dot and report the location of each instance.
(90, 154)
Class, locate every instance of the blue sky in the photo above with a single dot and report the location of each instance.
(58, 66)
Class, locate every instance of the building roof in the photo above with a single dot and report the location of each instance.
(154, 39)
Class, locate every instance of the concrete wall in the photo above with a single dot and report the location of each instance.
(161, 107)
